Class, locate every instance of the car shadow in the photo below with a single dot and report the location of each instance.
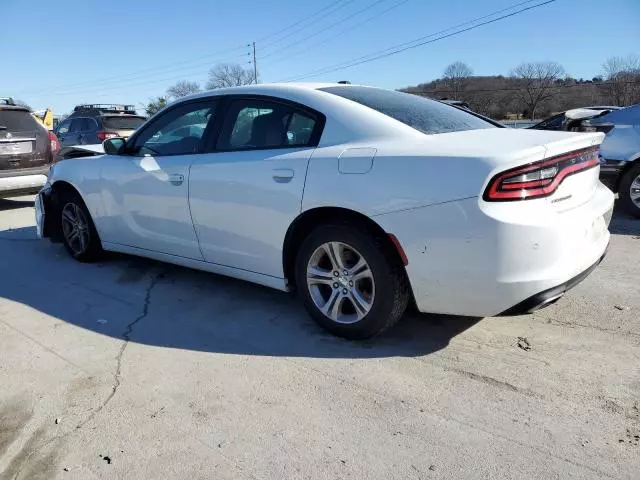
(177, 307)
(12, 204)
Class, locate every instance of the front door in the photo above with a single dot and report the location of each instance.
(245, 195)
(145, 193)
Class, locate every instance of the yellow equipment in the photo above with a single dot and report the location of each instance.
(45, 118)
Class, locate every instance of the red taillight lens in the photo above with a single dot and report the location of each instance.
(102, 136)
(539, 179)
(55, 144)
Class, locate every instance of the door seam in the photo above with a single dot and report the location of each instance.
(193, 223)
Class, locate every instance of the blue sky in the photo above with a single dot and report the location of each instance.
(59, 54)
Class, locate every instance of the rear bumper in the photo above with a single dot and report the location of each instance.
(473, 259)
(610, 173)
(549, 296)
(21, 185)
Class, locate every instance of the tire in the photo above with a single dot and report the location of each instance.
(86, 245)
(630, 180)
(378, 293)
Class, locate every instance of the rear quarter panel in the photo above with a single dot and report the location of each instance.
(401, 177)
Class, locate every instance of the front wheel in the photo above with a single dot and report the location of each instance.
(79, 234)
(629, 191)
(349, 282)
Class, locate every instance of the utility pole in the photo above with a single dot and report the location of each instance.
(255, 67)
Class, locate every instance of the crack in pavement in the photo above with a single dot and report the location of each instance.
(126, 337)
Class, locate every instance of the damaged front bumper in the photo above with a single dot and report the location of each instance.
(43, 203)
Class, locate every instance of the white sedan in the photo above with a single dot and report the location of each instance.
(359, 198)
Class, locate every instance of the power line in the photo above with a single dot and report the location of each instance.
(337, 34)
(418, 42)
(135, 74)
(290, 34)
(304, 19)
(324, 29)
(123, 85)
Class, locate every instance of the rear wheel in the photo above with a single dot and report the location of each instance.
(349, 283)
(629, 191)
(79, 234)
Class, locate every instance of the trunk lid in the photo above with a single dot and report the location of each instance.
(503, 149)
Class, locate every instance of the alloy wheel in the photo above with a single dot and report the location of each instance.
(634, 191)
(75, 228)
(340, 282)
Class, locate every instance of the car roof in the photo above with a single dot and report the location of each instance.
(265, 89)
(17, 108)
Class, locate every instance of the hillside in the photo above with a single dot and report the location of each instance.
(500, 97)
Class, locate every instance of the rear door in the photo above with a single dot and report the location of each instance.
(244, 196)
(24, 144)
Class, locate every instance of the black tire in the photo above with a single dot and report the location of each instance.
(93, 247)
(391, 296)
(624, 191)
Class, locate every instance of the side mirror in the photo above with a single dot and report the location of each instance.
(114, 146)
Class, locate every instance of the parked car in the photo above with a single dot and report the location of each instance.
(27, 150)
(620, 154)
(361, 199)
(562, 122)
(92, 124)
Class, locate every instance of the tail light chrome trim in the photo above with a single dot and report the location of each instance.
(539, 179)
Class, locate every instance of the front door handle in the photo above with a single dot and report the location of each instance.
(283, 175)
(176, 179)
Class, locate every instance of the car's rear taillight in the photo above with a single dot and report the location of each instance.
(55, 144)
(102, 136)
(539, 179)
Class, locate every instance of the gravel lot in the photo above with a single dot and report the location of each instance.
(134, 369)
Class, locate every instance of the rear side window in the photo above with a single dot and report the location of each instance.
(426, 116)
(17, 120)
(122, 122)
(258, 123)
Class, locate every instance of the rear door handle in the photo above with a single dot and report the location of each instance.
(176, 179)
(283, 175)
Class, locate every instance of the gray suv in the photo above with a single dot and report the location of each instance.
(27, 150)
(93, 124)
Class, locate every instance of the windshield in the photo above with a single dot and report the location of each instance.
(427, 116)
(120, 122)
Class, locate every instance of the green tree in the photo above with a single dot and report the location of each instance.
(156, 105)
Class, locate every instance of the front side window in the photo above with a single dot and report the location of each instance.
(426, 116)
(260, 124)
(179, 131)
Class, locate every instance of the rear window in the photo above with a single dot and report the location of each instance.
(625, 116)
(17, 120)
(427, 116)
(122, 123)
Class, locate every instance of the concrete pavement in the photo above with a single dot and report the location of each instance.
(134, 369)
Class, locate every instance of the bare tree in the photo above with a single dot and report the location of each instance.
(537, 81)
(229, 75)
(623, 79)
(455, 76)
(182, 88)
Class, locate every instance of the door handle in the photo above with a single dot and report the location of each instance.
(176, 179)
(283, 175)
